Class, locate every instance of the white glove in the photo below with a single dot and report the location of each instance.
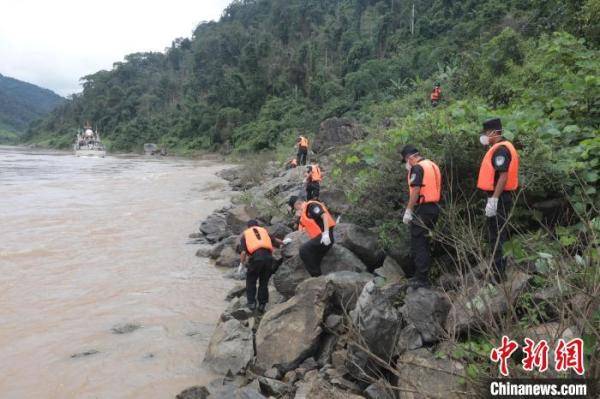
(240, 268)
(287, 241)
(408, 217)
(491, 208)
(325, 240)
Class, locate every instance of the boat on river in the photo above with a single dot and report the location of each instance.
(88, 143)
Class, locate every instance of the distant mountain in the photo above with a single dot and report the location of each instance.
(22, 102)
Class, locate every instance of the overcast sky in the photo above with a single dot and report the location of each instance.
(52, 43)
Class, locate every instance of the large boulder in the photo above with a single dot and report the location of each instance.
(335, 132)
(423, 376)
(315, 386)
(230, 348)
(279, 230)
(390, 271)
(427, 310)
(215, 228)
(290, 332)
(347, 287)
(293, 249)
(362, 242)
(477, 306)
(238, 216)
(292, 271)
(335, 200)
(378, 324)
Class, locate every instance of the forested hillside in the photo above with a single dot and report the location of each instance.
(21, 103)
(271, 68)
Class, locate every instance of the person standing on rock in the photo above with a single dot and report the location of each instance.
(257, 253)
(302, 144)
(312, 180)
(498, 177)
(422, 211)
(318, 224)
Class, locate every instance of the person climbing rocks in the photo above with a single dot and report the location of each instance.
(302, 144)
(318, 224)
(312, 180)
(422, 211)
(436, 94)
(291, 164)
(498, 178)
(257, 254)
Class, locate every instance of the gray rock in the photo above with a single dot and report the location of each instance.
(423, 376)
(237, 309)
(273, 373)
(316, 387)
(363, 243)
(204, 251)
(238, 217)
(230, 348)
(290, 377)
(228, 257)
(236, 291)
(378, 323)
(427, 310)
(340, 259)
(409, 339)
(291, 273)
(333, 321)
(215, 228)
(294, 325)
(336, 201)
(339, 359)
(271, 387)
(326, 349)
(197, 392)
(125, 328)
(476, 306)
(378, 390)
(336, 132)
(391, 271)
(347, 287)
(231, 241)
(293, 249)
(279, 230)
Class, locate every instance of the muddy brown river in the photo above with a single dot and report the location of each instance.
(87, 245)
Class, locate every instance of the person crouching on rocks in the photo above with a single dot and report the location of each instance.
(318, 223)
(257, 253)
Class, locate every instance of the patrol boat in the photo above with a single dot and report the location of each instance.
(88, 143)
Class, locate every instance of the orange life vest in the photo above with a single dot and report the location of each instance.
(431, 190)
(436, 93)
(303, 142)
(257, 238)
(487, 173)
(310, 225)
(315, 173)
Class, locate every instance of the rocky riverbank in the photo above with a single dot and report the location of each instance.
(354, 332)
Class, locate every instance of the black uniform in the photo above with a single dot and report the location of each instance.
(425, 217)
(302, 155)
(312, 252)
(497, 228)
(259, 268)
(313, 188)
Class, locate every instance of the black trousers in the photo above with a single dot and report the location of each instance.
(259, 269)
(312, 190)
(425, 218)
(498, 232)
(312, 253)
(302, 154)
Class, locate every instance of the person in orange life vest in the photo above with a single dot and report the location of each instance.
(498, 177)
(302, 144)
(291, 164)
(257, 253)
(422, 211)
(436, 94)
(318, 224)
(312, 180)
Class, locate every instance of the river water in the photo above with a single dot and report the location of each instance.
(90, 244)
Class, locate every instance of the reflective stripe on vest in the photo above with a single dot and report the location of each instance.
(257, 238)
(303, 142)
(431, 189)
(315, 173)
(310, 225)
(487, 173)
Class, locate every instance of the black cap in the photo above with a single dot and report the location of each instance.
(407, 151)
(292, 201)
(492, 124)
(252, 223)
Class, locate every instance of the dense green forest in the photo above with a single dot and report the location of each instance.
(20, 104)
(271, 68)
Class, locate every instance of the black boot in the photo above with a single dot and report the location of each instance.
(261, 307)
